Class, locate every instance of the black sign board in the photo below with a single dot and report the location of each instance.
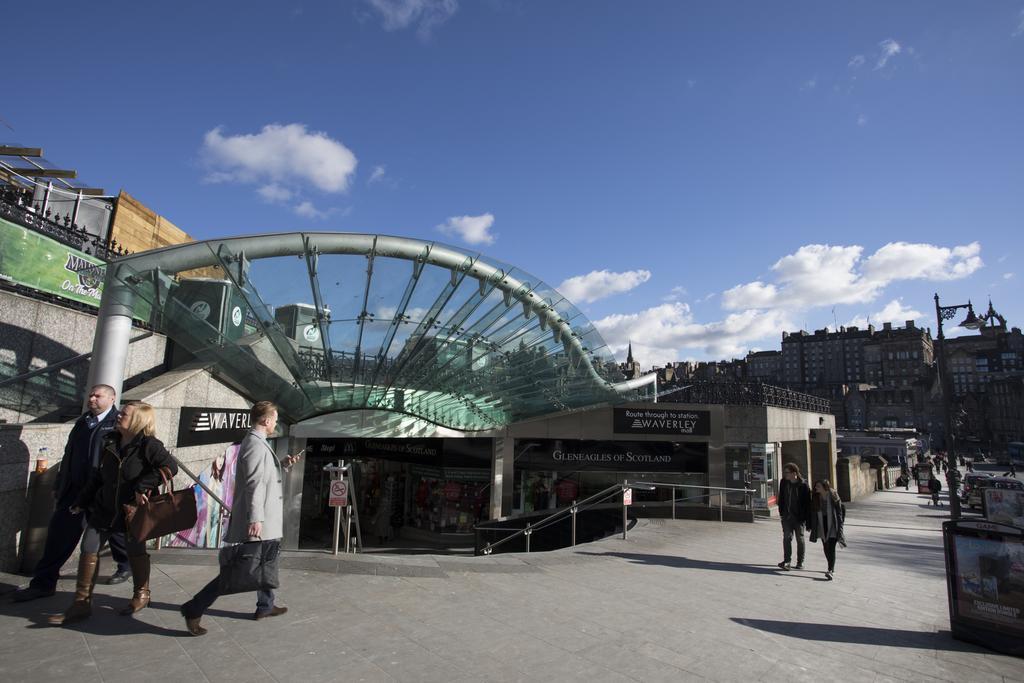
(429, 452)
(202, 426)
(567, 455)
(667, 421)
(985, 582)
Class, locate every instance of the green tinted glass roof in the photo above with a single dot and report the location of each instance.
(322, 322)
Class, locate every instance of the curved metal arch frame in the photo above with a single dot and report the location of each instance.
(193, 255)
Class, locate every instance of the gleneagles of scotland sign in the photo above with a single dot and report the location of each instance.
(662, 421)
(201, 426)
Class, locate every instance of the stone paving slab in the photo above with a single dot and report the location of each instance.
(678, 600)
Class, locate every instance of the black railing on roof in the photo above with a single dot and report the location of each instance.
(745, 394)
(16, 206)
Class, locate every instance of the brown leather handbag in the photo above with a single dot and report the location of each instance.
(164, 513)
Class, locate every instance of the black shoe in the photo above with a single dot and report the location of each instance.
(120, 576)
(31, 593)
(272, 612)
(828, 576)
(799, 565)
(784, 566)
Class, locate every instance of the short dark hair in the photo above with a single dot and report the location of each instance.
(109, 389)
(791, 467)
(260, 410)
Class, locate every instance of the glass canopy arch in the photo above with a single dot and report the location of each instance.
(326, 322)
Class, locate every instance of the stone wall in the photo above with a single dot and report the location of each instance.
(855, 478)
(35, 334)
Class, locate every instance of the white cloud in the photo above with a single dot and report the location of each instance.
(281, 156)
(1008, 276)
(856, 62)
(821, 275)
(275, 193)
(668, 332)
(377, 174)
(675, 293)
(1019, 31)
(892, 312)
(862, 120)
(307, 210)
(599, 284)
(888, 49)
(426, 15)
(471, 229)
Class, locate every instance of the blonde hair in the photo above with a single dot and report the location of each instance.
(142, 419)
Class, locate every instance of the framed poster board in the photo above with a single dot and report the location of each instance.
(985, 584)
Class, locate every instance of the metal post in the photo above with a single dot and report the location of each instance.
(721, 506)
(673, 503)
(625, 519)
(46, 199)
(527, 534)
(572, 512)
(944, 385)
(78, 205)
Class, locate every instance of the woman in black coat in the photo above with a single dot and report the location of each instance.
(128, 474)
(827, 516)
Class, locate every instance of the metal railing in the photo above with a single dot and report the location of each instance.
(616, 489)
(745, 393)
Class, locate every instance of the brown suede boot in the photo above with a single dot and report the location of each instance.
(140, 578)
(81, 608)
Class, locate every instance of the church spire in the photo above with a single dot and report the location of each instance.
(629, 354)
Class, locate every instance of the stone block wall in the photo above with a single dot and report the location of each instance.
(855, 478)
(35, 334)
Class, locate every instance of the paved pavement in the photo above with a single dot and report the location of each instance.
(682, 600)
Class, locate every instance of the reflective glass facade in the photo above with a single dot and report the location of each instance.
(323, 322)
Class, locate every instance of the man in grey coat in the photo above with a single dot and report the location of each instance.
(257, 511)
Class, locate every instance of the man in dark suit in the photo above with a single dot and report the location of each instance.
(794, 501)
(81, 457)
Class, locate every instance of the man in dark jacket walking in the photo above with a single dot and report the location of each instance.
(794, 508)
(934, 487)
(81, 457)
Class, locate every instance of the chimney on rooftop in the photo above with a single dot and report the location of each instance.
(886, 326)
(910, 325)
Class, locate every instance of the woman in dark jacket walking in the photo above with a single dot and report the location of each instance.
(827, 516)
(128, 474)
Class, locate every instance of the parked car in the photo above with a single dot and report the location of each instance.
(978, 491)
(970, 480)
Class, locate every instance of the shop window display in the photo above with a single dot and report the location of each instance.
(445, 503)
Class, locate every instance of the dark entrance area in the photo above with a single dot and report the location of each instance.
(412, 494)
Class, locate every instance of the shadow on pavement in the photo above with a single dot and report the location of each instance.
(687, 563)
(863, 635)
(105, 621)
(166, 606)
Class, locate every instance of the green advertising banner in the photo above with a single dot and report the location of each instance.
(33, 260)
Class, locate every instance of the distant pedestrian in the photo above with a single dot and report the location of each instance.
(1012, 471)
(828, 515)
(905, 476)
(81, 457)
(970, 465)
(256, 513)
(129, 472)
(794, 509)
(934, 487)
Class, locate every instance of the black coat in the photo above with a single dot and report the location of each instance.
(934, 485)
(840, 513)
(123, 472)
(801, 503)
(63, 486)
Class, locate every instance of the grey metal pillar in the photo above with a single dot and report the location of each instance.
(113, 334)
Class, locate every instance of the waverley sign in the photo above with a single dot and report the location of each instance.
(201, 426)
(662, 421)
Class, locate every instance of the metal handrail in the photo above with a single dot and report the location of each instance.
(224, 509)
(595, 499)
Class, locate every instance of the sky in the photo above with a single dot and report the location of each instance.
(696, 176)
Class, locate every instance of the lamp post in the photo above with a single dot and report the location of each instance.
(971, 322)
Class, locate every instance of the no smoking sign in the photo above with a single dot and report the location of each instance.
(339, 493)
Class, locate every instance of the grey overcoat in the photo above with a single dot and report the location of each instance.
(258, 496)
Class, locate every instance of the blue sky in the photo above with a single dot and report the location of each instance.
(737, 168)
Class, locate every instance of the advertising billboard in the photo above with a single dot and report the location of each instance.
(33, 260)
(985, 581)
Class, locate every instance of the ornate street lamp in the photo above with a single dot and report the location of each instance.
(971, 322)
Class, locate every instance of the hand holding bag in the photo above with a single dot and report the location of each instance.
(249, 566)
(163, 514)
